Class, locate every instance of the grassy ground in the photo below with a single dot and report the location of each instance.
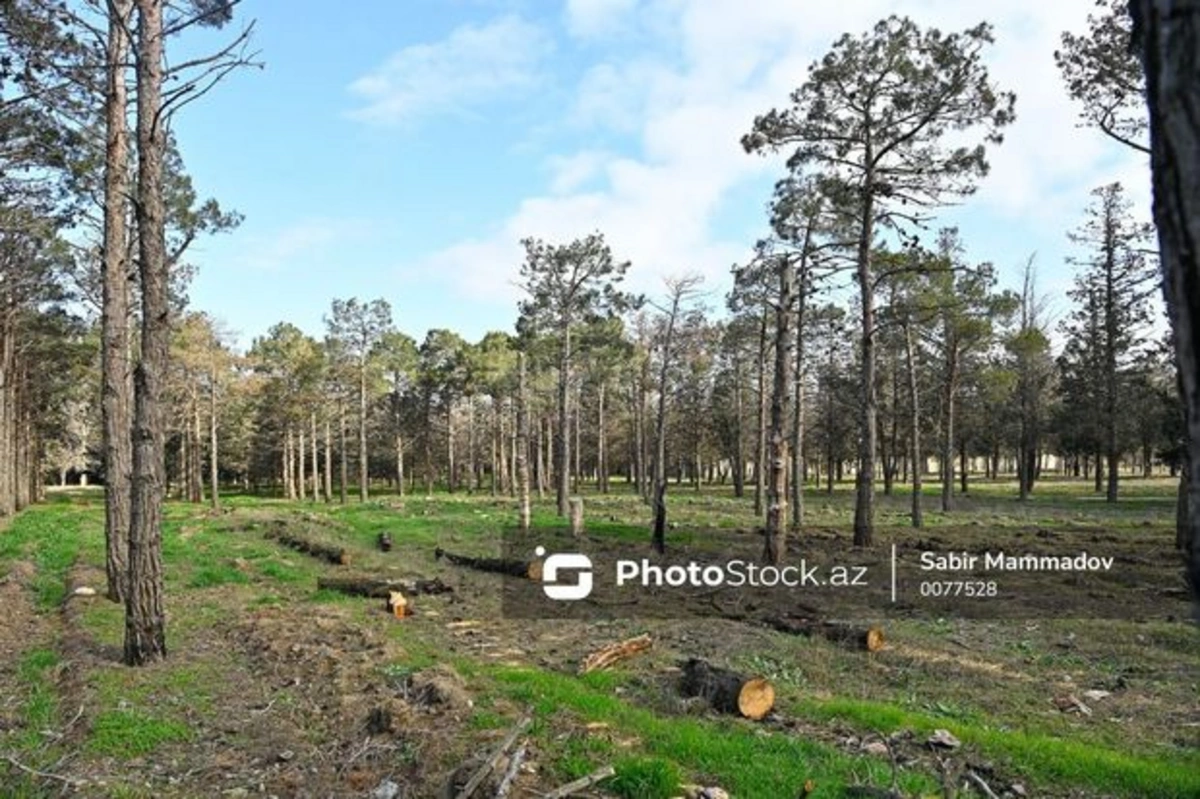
(270, 681)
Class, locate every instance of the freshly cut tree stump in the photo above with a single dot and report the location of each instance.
(398, 606)
(529, 569)
(727, 691)
(615, 653)
(377, 588)
(869, 639)
(330, 554)
(385, 542)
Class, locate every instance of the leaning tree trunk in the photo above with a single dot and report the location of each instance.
(145, 629)
(117, 379)
(1169, 32)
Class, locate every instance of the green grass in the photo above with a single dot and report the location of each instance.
(130, 733)
(1043, 758)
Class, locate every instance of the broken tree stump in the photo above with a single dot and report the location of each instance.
(398, 606)
(869, 639)
(727, 691)
(576, 508)
(528, 569)
(385, 542)
(325, 552)
(615, 653)
(376, 588)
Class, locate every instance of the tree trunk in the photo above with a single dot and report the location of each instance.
(562, 441)
(864, 502)
(601, 441)
(214, 475)
(760, 458)
(344, 455)
(798, 467)
(117, 376)
(523, 444)
(914, 397)
(1169, 34)
(316, 468)
(145, 628)
(301, 458)
(471, 473)
(739, 442)
(363, 463)
(774, 541)
(328, 475)
(947, 455)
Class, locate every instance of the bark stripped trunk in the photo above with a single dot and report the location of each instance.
(117, 377)
(328, 475)
(316, 468)
(145, 627)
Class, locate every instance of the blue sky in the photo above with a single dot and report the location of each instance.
(401, 149)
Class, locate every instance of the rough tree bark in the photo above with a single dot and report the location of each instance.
(117, 378)
(914, 396)
(1168, 32)
(145, 629)
(774, 541)
(864, 503)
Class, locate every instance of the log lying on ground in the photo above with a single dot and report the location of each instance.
(377, 588)
(614, 653)
(869, 639)
(529, 569)
(325, 552)
(727, 691)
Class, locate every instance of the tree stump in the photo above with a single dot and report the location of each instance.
(577, 516)
(385, 542)
(727, 691)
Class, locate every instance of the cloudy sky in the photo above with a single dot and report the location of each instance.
(402, 150)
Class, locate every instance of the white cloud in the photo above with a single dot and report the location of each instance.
(592, 18)
(472, 65)
(721, 64)
(275, 251)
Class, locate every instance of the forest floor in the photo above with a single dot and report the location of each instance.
(275, 688)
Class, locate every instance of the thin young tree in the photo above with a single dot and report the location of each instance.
(568, 284)
(358, 327)
(874, 118)
(673, 314)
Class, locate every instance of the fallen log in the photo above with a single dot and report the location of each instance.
(581, 784)
(614, 653)
(377, 588)
(330, 554)
(727, 691)
(529, 569)
(869, 639)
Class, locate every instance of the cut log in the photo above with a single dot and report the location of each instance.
(581, 784)
(869, 639)
(325, 552)
(385, 542)
(727, 691)
(529, 569)
(377, 588)
(614, 653)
